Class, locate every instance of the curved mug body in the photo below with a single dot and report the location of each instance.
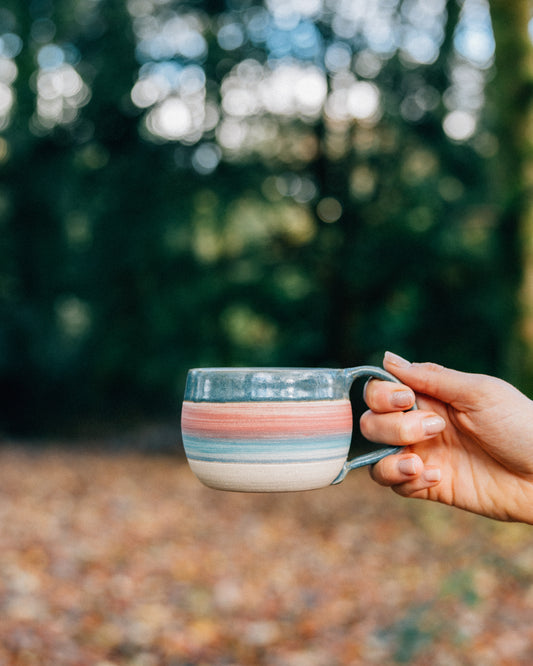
(272, 429)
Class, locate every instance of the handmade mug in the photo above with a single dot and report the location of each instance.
(272, 429)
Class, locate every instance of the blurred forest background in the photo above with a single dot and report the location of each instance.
(287, 182)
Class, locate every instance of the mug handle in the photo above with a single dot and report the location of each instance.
(372, 372)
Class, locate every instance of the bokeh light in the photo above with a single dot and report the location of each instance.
(60, 90)
(459, 125)
(305, 75)
(473, 38)
(352, 99)
(329, 209)
(10, 47)
(206, 157)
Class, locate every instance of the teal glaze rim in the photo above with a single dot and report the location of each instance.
(262, 384)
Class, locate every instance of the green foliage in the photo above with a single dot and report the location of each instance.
(142, 236)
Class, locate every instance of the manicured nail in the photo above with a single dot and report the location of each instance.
(396, 360)
(432, 425)
(432, 475)
(402, 399)
(407, 466)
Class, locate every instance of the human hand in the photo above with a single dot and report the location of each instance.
(469, 445)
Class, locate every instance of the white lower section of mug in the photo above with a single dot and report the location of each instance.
(276, 477)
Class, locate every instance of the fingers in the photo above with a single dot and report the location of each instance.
(400, 428)
(406, 474)
(450, 386)
(382, 396)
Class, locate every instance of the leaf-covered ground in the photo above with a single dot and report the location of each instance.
(111, 559)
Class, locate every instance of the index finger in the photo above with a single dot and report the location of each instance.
(382, 396)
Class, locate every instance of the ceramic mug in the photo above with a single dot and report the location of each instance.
(272, 429)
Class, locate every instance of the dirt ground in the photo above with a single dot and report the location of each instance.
(124, 558)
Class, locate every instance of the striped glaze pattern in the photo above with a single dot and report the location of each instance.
(258, 446)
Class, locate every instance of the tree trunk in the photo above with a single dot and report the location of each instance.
(511, 96)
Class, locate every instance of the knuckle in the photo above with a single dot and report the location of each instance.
(402, 489)
(365, 423)
(375, 474)
(491, 386)
(431, 376)
(370, 390)
(379, 473)
(404, 430)
(432, 367)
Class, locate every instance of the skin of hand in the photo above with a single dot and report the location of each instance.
(469, 444)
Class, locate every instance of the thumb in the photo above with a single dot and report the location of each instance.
(449, 386)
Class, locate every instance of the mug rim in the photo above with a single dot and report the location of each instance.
(264, 368)
(234, 384)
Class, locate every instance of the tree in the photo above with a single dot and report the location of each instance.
(194, 183)
(512, 109)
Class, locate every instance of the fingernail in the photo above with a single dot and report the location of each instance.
(396, 360)
(432, 425)
(402, 399)
(407, 466)
(432, 475)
